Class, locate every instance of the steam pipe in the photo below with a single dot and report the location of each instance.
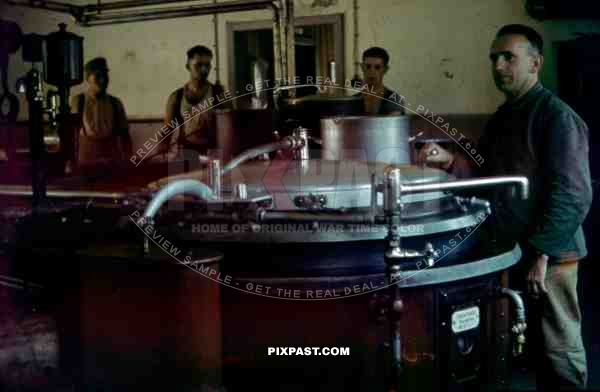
(26, 191)
(217, 57)
(216, 7)
(203, 9)
(517, 301)
(277, 49)
(120, 5)
(290, 32)
(175, 188)
(520, 325)
(356, 58)
(287, 143)
(482, 182)
(88, 15)
(65, 8)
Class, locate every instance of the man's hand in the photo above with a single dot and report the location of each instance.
(536, 277)
(433, 153)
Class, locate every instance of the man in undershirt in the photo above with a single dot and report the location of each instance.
(374, 66)
(195, 128)
(103, 133)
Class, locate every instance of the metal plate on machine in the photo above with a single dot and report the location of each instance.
(465, 319)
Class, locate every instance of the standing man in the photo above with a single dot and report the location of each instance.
(103, 135)
(537, 135)
(374, 66)
(195, 128)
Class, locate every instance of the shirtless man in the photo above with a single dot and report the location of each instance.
(194, 132)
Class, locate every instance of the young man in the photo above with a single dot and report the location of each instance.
(103, 136)
(374, 66)
(190, 113)
(537, 135)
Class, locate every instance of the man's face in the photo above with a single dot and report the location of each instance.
(515, 65)
(98, 82)
(373, 70)
(199, 67)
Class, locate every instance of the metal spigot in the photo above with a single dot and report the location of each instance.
(519, 331)
(466, 203)
(149, 222)
(215, 179)
(430, 254)
(241, 191)
(53, 107)
(302, 153)
(394, 253)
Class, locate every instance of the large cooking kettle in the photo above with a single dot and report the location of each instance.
(367, 138)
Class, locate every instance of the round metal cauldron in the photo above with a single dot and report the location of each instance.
(309, 110)
(369, 138)
(127, 320)
(297, 283)
(299, 261)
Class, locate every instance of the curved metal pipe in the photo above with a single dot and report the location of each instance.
(285, 144)
(175, 188)
(517, 301)
(520, 324)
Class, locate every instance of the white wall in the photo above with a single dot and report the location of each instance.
(438, 50)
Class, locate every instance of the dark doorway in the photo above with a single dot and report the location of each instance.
(318, 41)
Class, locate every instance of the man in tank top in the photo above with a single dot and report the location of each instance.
(189, 120)
(103, 131)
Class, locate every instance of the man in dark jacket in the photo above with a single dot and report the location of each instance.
(537, 135)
